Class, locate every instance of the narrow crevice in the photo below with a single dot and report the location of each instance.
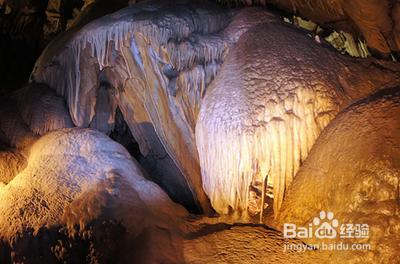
(159, 168)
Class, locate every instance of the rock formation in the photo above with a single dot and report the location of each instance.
(246, 112)
(82, 181)
(244, 244)
(11, 163)
(27, 26)
(156, 75)
(353, 170)
(14, 132)
(267, 106)
(41, 109)
(153, 70)
(375, 21)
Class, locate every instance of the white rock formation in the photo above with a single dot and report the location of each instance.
(155, 60)
(152, 60)
(73, 178)
(66, 164)
(275, 92)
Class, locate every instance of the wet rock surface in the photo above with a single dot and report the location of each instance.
(268, 104)
(216, 109)
(353, 171)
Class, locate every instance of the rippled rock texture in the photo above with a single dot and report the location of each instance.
(354, 171)
(153, 62)
(231, 110)
(275, 93)
(82, 198)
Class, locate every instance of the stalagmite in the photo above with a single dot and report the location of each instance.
(158, 59)
(80, 182)
(353, 170)
(271, 99)
(157, 74)
(263, 193)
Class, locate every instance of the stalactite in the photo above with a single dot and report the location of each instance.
(263, 193)
(266, 108)
(182, 56)
(250, 142)
(159, 63)
(345, 43)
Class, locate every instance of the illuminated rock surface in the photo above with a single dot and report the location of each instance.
(156, 75)
(82, 181)
(243, 244)
(81, 196)
(267, 106)
(274, 101)
(154, 62)
(353, 170)
(11, 163)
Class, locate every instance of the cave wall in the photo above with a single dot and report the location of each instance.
(268, 104)
(27, 26)
(157, 75)
(20, 37)
(353, 170)
(148, 64)
(262, 104)
(376, 21)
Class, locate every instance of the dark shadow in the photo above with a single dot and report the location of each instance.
(157, 165)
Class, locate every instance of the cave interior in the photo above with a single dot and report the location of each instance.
(199, 131)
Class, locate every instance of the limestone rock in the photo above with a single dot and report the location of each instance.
(41, 109)
(377, 21)
(353, 170)
(156, 60)
(244, 244)
(274, 94)
(80, 187)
